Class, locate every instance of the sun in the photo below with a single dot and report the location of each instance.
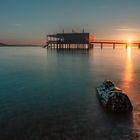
(129, 41)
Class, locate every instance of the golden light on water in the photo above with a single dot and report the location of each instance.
(129, 53)
(128, 68)
(128, 71)
(128, 86)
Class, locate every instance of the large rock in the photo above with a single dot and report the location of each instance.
(113, 98)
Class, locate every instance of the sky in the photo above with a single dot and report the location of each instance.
(29, 21)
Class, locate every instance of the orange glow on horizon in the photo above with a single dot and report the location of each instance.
(129, 41)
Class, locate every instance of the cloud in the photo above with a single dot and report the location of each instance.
(126, 29)
(17, 25)
(122, 29)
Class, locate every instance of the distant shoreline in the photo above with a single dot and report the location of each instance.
(18, 45)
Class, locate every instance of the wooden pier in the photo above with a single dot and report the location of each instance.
(114, 43)
(80, 41)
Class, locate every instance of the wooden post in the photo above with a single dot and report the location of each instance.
(113, 45)
(126, 45)
(51, 43)
(92, 45)
(46, 39)
(101, 45)
(57, 45)
(88, 46)
(139, 46)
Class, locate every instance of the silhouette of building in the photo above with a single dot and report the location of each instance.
(70, 40)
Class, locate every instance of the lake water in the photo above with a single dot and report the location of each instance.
(51, 95)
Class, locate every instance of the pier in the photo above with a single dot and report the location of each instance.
(80, 41)
(114, 43)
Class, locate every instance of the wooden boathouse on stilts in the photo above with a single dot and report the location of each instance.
(80, 41)
(69, 41)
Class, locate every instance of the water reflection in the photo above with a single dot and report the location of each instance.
(55, 97)
(128, 86)
(128, 68)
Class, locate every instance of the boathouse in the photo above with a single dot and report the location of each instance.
(70, 41)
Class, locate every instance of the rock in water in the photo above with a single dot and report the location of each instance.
(113, 98)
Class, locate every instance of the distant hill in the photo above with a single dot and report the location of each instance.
(2, 44)
(18, 45)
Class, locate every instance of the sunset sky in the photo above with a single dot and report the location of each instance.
(28, 21)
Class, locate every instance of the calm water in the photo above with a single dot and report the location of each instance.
(50, 95)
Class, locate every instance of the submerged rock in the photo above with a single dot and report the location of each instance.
(113, 98)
